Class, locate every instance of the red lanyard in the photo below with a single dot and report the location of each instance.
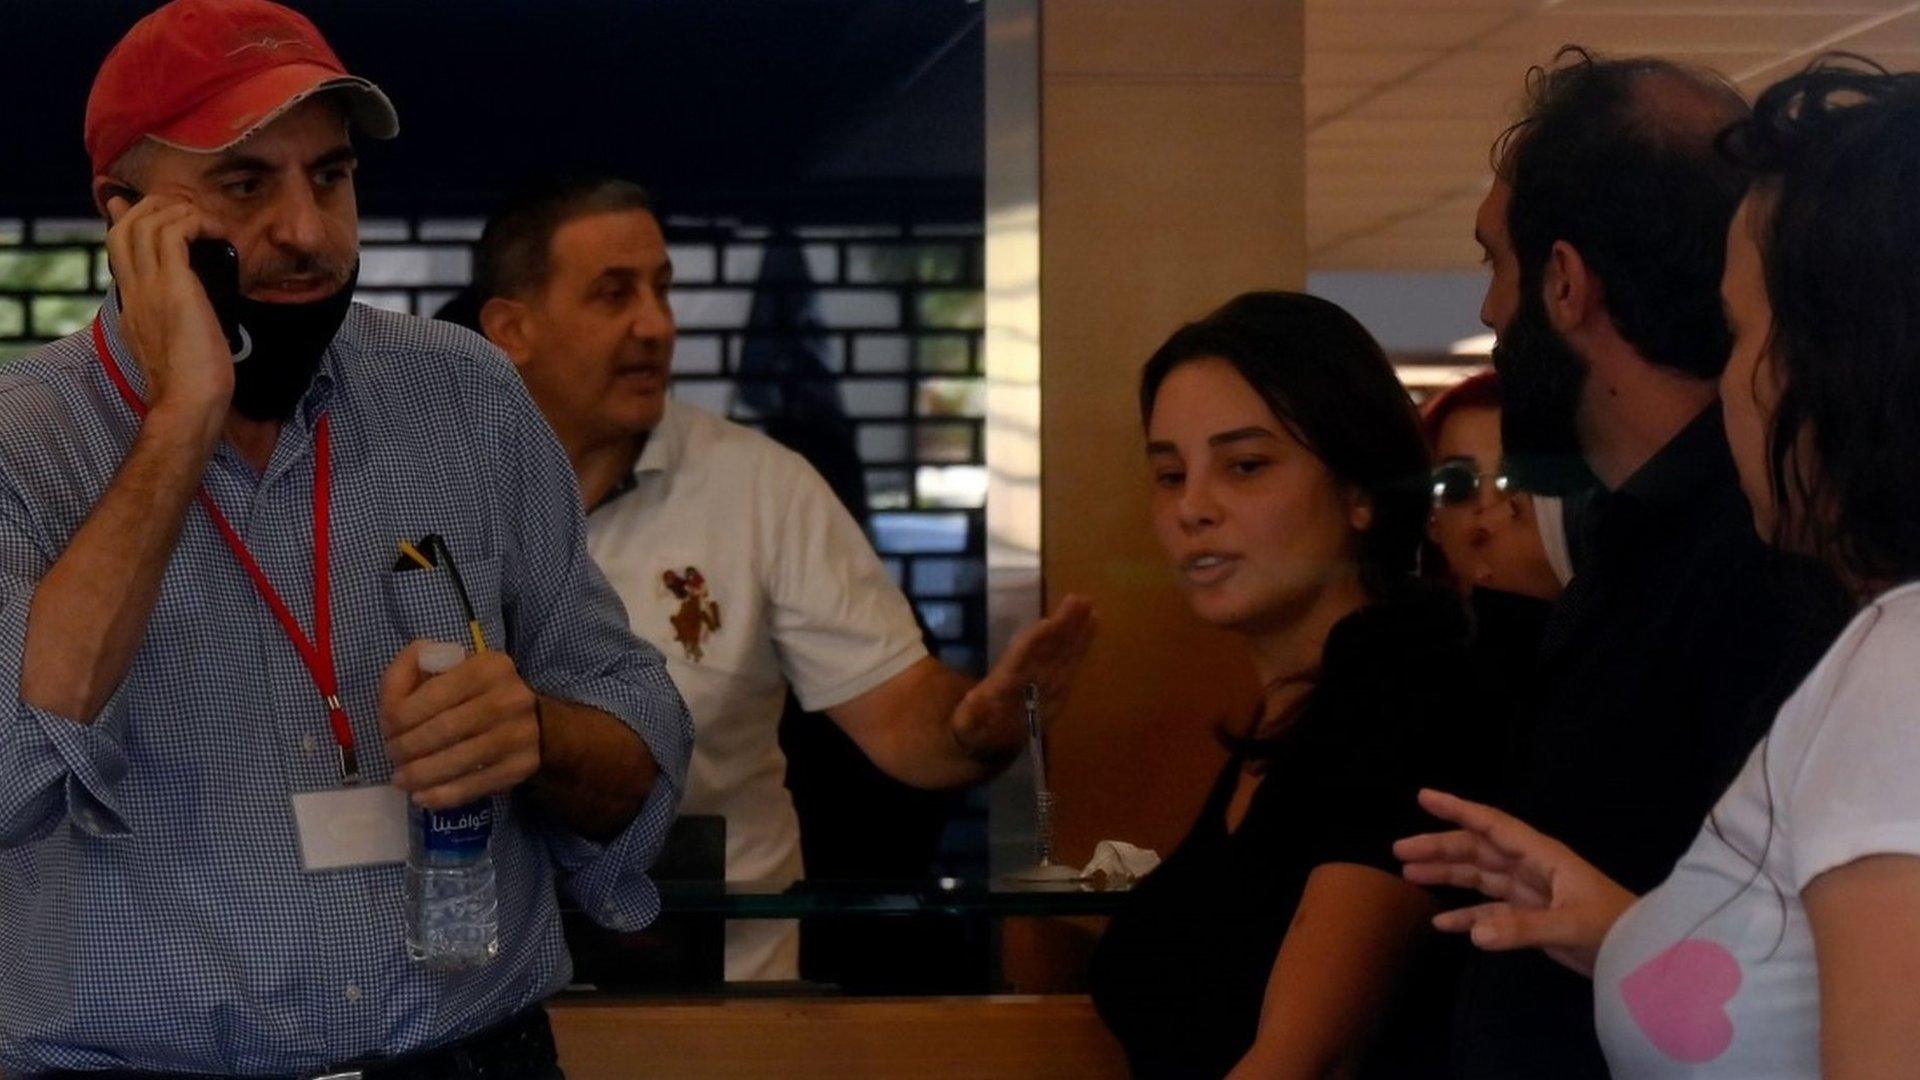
(317, 653)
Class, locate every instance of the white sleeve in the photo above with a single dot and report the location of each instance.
(840, 625)
(1855, 791)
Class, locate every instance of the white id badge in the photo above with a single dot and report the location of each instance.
(354, 826)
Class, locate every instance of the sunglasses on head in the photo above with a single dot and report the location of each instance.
(1457, 482)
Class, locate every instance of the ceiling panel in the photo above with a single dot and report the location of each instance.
(1408, 27)
(1660, 32)
(1364, 67)
(1398, 254)
(1320, 8)
(1397, 161)
(1901, 34)
(1423, 100)
(1740, 8)
(1404, 97)
(1443, 132)
(1321, 99)
(1398, 187)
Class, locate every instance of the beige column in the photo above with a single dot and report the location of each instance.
(1172, 178)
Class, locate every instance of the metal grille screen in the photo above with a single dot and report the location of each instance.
(881, 323)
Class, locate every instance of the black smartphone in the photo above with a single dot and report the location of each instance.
(217, 264)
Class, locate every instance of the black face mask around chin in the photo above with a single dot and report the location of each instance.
(282, 347)
(1540, 383)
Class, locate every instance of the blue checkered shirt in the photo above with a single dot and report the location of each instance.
(153, 910)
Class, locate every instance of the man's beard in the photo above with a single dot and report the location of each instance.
(1541, 379)
(287, 342)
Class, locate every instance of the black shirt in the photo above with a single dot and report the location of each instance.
(1660, 667)
(1181, 972)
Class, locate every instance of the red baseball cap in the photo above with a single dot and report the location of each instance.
(202, 75)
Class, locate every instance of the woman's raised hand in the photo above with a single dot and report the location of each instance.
(1543, 896)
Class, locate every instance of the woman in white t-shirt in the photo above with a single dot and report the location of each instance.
(1786, 943)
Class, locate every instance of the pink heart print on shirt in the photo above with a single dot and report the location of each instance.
(1679, 999)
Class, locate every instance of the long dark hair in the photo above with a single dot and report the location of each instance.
(1328, 382)
(1834, 153)
(1835, 156)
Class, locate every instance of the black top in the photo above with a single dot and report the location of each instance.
(1660, 667)
(1181, 972)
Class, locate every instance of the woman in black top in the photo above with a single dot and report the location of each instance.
(1278, 939)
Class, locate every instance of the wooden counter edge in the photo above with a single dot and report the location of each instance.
(930, 1038)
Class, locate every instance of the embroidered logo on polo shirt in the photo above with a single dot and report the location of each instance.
(698, 616)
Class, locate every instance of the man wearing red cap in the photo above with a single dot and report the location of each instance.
(233, 516)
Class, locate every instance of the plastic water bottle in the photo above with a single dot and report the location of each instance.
(452, 907)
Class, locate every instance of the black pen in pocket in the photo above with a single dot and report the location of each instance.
(432, 553)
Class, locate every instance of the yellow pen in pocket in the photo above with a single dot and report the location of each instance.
(423, 554)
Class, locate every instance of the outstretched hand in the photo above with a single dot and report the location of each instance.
(991, 720)
(1543, 895)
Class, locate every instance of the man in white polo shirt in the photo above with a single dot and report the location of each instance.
(732, 554)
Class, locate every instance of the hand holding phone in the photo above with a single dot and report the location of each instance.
(167, 310)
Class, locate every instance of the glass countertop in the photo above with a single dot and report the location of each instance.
(995, 897)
